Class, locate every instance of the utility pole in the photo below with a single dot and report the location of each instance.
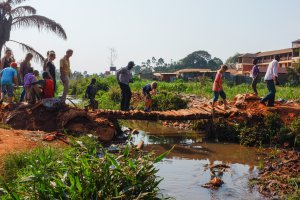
(113, 58)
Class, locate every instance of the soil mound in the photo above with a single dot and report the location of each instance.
(56, 119)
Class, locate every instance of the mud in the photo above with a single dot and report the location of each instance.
(63, 119)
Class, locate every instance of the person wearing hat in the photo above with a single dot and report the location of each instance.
(8, 75)
(124, 77)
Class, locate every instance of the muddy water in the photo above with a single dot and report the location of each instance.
(186, 168)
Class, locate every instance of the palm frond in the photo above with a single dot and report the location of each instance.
(36, 55)
(15, 2)
(22, 11)
(40, 22)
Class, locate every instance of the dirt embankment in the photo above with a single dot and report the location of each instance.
(60, 118)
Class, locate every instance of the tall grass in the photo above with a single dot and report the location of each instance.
(201, 88)
(84, 171)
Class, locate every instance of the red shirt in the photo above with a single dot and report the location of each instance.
(217, 87)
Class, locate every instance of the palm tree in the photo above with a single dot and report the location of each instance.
(14, 15)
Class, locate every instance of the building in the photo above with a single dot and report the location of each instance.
(189, 74)
(288, 57)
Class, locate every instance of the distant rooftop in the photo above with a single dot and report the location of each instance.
(270, 53)
(192, 70)
(296, 41)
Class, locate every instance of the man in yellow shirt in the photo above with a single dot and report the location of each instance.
(65, 73)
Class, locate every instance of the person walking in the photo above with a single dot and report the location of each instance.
(254, 75)
(124, 77)
(51, 69)
(24, 68)
(65, 73)
(271, 79)
(218, 87)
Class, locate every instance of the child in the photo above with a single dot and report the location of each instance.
(36, 74)
(146, 91)
(8, 76)
(46, 85)
(90, 93)
(218, 88)
(29, 78)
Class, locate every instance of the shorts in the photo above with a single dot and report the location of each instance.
(216, 95)
(7, 89)
(148, 96)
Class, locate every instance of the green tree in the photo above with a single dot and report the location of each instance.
(15, 15)
(294, 74)
(137, 69)
(215, 63)
(233, 59)
(197, 59)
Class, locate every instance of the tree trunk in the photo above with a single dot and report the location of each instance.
(1, 48)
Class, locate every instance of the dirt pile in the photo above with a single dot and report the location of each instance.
(248, 106)
(60, 119)
(280, 175)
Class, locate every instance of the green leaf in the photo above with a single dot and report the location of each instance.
(113, 161)
(78, 184)
(126, 151)
(162, 156)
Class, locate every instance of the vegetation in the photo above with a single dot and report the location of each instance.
(197, 60)
(270, 131)
(15, 15)
(294, 74)
(83, 171)
(109, 92)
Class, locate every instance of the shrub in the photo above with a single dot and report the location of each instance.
(80, 172)
(167, 101)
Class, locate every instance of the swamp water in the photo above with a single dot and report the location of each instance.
(186, 169)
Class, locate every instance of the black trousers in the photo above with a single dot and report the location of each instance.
(126, 96)
(254, 83)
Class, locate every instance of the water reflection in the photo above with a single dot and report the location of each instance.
(185, 169)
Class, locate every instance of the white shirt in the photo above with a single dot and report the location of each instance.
(272, 70)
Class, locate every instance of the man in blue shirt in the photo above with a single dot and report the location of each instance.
(8, 76)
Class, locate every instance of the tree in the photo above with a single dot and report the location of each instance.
(233, 59)
(153, 61)
(197, 59)
(160, 62)
(14, 15)
(137, 69)
(294, 74)
(215, 63)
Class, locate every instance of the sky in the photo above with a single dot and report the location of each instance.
(168, 29)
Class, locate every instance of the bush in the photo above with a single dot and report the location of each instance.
(80, 172)
(167, 101)
(114, 94)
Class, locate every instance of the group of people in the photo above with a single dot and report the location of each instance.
(124, 78)
(34, 89)
(271, 79)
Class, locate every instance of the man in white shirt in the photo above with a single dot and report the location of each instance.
(124, 77)
(271, 78)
